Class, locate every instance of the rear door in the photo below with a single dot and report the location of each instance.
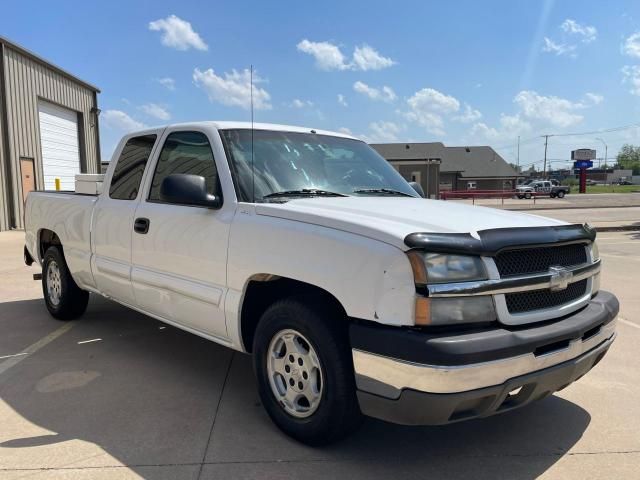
(112, 224)
(179, 262)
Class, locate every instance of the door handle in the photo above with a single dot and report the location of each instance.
(141, 225)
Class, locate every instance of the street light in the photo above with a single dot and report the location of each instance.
(605, 152)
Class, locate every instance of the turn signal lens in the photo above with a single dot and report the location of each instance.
(418, 266)
(423, 311)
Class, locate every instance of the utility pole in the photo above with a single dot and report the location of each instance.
(518, 157)
(544, 169)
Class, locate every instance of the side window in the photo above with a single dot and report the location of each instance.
(126, 179)
(185, 152)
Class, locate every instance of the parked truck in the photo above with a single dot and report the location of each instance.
(309, 251)
(542, 187)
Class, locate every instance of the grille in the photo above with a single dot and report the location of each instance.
(539, 259)
(540, 299)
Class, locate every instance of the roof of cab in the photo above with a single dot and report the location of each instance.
(226, 125)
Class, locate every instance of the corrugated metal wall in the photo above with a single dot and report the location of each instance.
(4, 204)
(26, 82)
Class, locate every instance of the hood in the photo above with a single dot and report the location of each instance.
(391, 219)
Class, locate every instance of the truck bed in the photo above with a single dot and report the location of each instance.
(69, 215)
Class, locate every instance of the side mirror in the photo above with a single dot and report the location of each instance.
(418, 188)
(185, 189)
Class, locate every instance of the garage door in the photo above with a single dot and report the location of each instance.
(60, 145)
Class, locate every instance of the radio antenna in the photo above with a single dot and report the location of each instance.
(253, 171)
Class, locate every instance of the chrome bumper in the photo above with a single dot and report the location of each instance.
(387, 376)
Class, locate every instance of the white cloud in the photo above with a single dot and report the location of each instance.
(631, 76)
(156, 111)
(119, 120)
(297, 103)
(427, 107)
(177, 33)
(469, 115)
(587, 32)
(385, 94)
(327, 55)
(632, 45)
(594, 98)
(234, 89)
(510, 126)
(168, 83)
(558, 48)
(366, 58)
(342, 101)
(557, 111)
(345, 130)
(382, 132)
(429, 98)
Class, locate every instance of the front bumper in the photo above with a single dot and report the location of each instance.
(417, 378)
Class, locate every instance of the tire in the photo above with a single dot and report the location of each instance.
(552, 195)
(64, 299)
(520, 196)
(328, 376)
(527, 195)
(561, 194)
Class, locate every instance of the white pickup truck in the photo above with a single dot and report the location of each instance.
(308, 250)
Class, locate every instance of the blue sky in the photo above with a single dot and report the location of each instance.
(465, 73)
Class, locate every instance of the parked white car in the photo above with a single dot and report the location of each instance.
(308, 250)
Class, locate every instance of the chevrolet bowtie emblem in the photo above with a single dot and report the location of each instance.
(560, 278)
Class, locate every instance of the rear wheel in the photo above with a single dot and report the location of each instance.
(561, 194)
(527, 195)
(303, 365)
(64, 299)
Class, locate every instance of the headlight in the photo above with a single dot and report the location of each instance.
(445, 268)
(431, 268)
(595, 254)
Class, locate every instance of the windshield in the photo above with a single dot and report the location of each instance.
(293, 162)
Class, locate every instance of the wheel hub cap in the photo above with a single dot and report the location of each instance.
(295, 373)
(54, 283)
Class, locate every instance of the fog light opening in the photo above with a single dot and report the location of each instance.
(514, 392)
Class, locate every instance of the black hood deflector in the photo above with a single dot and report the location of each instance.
(494, 240)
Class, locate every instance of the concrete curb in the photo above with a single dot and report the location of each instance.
(619, 228)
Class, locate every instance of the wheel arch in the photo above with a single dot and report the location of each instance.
(263, 290)
(48, 238)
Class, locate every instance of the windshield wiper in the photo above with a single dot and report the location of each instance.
(386, 191)
(305, 192)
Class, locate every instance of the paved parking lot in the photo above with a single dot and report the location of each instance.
(119, 395)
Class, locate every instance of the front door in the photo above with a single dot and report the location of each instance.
(28, 177)
(180, 261)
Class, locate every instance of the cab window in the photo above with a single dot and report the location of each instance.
(126, 179)
(189, 153)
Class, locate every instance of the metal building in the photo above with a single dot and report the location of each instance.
(48, 129)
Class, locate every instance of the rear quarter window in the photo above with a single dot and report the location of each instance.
(127, 177)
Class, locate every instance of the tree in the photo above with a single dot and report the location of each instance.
(629, 158)
(515, 167)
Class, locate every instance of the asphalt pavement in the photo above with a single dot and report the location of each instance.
(117, 394)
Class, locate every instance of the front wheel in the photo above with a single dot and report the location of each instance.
(527, 195)
(64, 299)
(304, 370)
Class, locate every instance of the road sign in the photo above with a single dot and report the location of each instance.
(583, 154)
(583, 164)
